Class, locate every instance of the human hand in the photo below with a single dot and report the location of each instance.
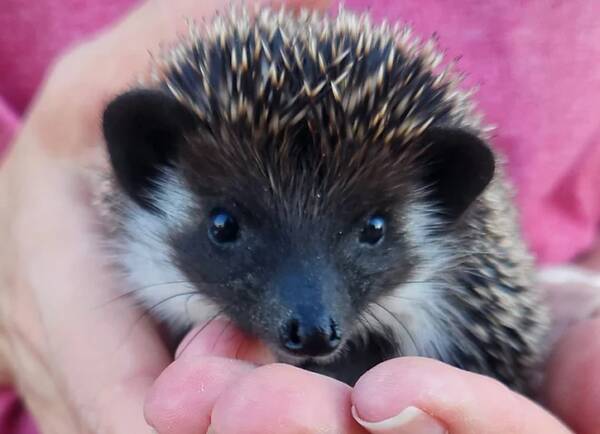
(220, 379)
(82, 362)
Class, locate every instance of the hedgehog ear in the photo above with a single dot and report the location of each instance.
(143, 129)
(458, 167)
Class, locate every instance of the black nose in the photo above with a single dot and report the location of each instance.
(310, 338)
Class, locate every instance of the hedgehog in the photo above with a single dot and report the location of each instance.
(325, 184)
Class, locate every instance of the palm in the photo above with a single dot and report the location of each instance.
(62, 307)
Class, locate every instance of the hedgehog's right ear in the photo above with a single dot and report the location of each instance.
(143, 129)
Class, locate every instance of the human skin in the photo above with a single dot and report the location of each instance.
(85, 362)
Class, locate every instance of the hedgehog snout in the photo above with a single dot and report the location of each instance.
(308, 310)
(310, 332)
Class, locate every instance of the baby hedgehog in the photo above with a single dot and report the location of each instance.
(326, 186)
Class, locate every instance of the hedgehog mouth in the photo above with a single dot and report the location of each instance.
(285, 356)
(347, 364)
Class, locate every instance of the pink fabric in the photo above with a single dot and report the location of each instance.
(536, 64)
(13, 419)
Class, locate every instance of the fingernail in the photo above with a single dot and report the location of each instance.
(410, 421)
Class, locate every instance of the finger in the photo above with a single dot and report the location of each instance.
(222, 338)
(591, 260)
(281, 399)
(124, 52)
(573, 294)
(182, 398)
(572, 386)
(423, 396)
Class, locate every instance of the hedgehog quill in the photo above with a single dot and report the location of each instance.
(324, 184)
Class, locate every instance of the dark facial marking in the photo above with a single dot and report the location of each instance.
(287, 263)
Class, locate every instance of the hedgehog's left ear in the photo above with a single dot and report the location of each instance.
(143, 129)
(458, 167)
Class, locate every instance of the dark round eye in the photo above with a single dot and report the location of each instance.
(223, 227)
(373, 231)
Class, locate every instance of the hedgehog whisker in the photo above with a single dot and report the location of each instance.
(187, 306)
(366, 325)
(148, 312)
(363, 323)
(418, 303)
(143, 288)
(201, 329)
(470, 254)
(384, 327)
(166, 300)
(399, 321)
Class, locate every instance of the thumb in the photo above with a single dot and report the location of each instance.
(423, 396)
(181, 400)
(221, 338)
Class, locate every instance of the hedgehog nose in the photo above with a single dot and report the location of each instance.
(307, 337)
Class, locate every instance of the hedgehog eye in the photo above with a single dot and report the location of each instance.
(223, 227)
(373, 230)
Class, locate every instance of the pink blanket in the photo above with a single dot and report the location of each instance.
(536, 64)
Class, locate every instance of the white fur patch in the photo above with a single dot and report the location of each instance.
(146, 256)
(414, 310)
